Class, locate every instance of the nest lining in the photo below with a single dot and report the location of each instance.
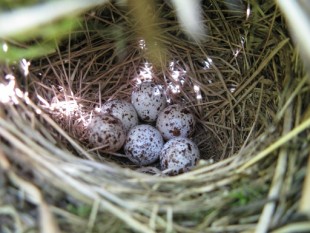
(248, 102)
(98, 82)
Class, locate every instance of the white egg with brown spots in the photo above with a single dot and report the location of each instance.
(148, 99)
(122, 110)
(175, 121)
(143, 144)
(179, 155)
(106, 132)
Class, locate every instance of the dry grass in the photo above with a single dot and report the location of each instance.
(253, 130)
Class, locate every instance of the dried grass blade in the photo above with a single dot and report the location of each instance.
(47, 221)
(277, 180)
(281, 141)
(304, 206)
(294, 227)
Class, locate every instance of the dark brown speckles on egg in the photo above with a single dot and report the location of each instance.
(185, 111)
(179, 155)
(112, 121)
(175, 121)
(175, 132)
(148, 100)
(143, 144)
(107, 133)
(122, 110)
(99, 139)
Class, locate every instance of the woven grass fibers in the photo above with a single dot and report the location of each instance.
(249, 93)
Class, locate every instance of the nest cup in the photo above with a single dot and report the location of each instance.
(245, 84)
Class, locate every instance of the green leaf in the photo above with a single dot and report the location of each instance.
(15, 53)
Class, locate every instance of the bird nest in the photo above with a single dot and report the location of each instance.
(245, 85)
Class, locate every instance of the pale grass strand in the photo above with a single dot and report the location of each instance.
(277, 180)
(281, 141)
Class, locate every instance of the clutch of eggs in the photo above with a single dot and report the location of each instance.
(117, 126)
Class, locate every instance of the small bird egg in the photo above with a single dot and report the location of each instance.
(106, 132)
(175, 121)
(179, 155)
(122, 110)
(143, 144)
(148, 100)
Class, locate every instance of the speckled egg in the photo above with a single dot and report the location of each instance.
(148, 100)
(175, 121)
(106, 132)
(179, 155)
(143, 144)
(122, 110)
